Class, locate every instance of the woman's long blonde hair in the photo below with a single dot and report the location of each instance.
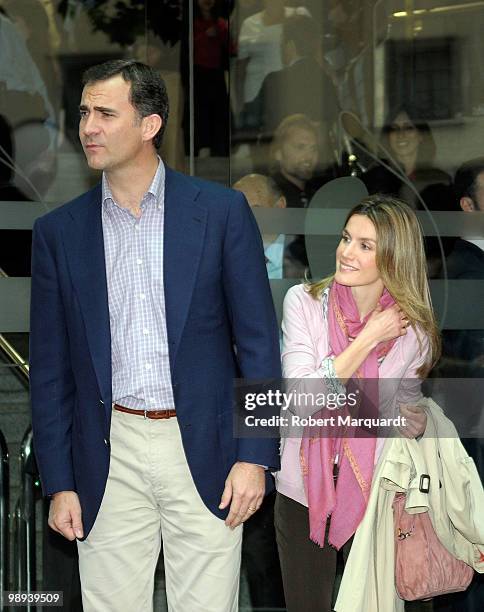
(400, 259)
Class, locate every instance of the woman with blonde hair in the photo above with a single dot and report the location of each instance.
(371, 319)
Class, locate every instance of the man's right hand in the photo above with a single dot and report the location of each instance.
(65, 515)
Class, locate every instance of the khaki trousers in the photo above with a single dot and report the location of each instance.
(150, 494)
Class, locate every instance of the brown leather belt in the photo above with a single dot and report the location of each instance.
(147, 414)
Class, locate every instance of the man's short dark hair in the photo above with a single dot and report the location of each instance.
(148, 91)
(465, 180)
(303, 31)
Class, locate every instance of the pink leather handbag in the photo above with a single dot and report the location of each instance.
(424, 568)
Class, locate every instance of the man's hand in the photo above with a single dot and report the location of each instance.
(244, 491)
(65, 515)
(416, 421)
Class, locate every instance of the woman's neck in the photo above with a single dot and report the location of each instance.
(366, 298)
(409, 163)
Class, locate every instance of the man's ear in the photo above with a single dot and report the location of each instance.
(289, 51)
(151, 126)
(467, 204)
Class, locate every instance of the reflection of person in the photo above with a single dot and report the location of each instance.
(262, 191)
(465, 258)
(463, 349)
(348, 54)
(15, 245)
(31, 20)
(469, 185)
(25, 98)
(281, 93)
(410, 142)
(295, 156)
(371, 319)
(143, 293)
(260, 559)
(8, 191)
(211, 45)
(259, 53)
(23, 93)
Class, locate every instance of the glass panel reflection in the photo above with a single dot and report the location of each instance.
(387, 92)
(277, 98)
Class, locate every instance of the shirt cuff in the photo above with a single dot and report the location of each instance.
(328, 373)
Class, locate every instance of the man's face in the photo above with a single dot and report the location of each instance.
(298, 154)
(110, 130)
(476, 202)
(479, 192)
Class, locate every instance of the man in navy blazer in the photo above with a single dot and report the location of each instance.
(149, 296)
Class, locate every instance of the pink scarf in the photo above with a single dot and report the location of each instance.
(347, 502)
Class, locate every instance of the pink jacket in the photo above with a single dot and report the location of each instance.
(305, 346)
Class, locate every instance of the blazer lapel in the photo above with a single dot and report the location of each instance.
(184, 231)
(85, 248)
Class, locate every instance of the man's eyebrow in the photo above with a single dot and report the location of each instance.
(102, 109)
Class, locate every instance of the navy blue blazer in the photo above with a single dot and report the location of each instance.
(220, 320)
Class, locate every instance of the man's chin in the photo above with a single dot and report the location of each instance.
(94, 164)
(304, 176)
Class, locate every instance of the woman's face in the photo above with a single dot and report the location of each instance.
(356, 254)
(206, 5)
(404, 137)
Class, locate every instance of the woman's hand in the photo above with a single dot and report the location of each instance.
(385, 324)
(416, 421)
(382, 325)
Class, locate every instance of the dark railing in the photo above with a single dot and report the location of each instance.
(4, 510)
(24, 566)
(25, 519)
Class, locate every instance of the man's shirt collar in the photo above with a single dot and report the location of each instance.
(156, 188)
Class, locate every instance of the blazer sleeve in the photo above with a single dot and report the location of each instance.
(51, 379)
(252, 315)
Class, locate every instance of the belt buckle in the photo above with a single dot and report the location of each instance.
(145, 411)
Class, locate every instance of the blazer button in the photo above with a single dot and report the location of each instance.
(101, 402)
(106, 442)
